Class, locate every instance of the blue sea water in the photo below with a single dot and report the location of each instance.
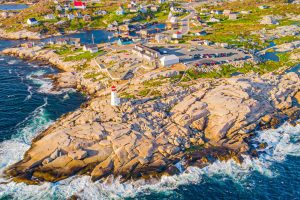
(28, 106)
(13, 6)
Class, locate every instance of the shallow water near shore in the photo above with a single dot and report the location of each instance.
(27, 106)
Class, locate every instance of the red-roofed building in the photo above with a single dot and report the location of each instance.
(79, 4)
(177, 35)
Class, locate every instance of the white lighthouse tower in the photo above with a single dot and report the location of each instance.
(115, 101)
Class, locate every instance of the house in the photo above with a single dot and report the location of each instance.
(87, 18)
(120, 11)
(177, 10)
(154, 8)
(32, 21)
(61, 15)
(133, 9)
(161, 1)
(62, 41)
(216, 12)
(201, 33)
(100, 12)
(49, 17)
(224, 45)
(69, 41)
(132, 4)
(207, 43)
(4, 14)
(213, 20)
(92, 48)
(177, 35)
(232, 16)
(269, 20)
(70, 16)
(79, 4)
(74, 41)
(144, 33)
(58, 8)
(145, 52)
(226, 12)
(263, 7)
(169, 60)
(143, 9)
(173, 20)
(78, 15)
(124, 41)
(67, 8)
(246, 12)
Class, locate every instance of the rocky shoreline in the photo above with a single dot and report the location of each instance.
(193, 124)
(147, 137)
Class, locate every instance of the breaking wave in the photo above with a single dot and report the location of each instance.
(37, 121)
(45, 85)
(12, 62)
(281, 142)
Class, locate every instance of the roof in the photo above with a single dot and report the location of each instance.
(32, 19)
(79, 3)
(169, 57)
(90, 46)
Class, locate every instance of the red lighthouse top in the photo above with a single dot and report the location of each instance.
(113, 88)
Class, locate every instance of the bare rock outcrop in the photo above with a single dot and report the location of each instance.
(147, 137)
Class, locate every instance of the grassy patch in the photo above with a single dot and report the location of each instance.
(144, 92)
(126, 95)
(85, 55)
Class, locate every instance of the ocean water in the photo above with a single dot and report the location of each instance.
(28, 106)
(13, 6)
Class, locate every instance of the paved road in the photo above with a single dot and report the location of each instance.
(190, 7)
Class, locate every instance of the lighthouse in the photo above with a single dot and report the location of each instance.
(115, 101)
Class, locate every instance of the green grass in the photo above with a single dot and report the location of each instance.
(144, 92)
(153, 83)
(286, 39)
(91, 75)
(236, 31)
(126, 95)
(85, 55)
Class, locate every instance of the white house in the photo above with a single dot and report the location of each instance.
(173, 20)
(213, 20)
(32, 21)
(70, 16)
(50, 17)
(177, 35)
(120, 11)
(143, 9)
(169, 60)
(263, 7)
(232, 16)
(92, 48)
(154, 8)
(58, 8)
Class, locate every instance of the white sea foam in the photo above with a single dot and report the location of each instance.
(12, 62)
(29, 90)
(281, 142)
(45, 84)
(34, 123)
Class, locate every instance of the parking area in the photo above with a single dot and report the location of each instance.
(204, 55)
